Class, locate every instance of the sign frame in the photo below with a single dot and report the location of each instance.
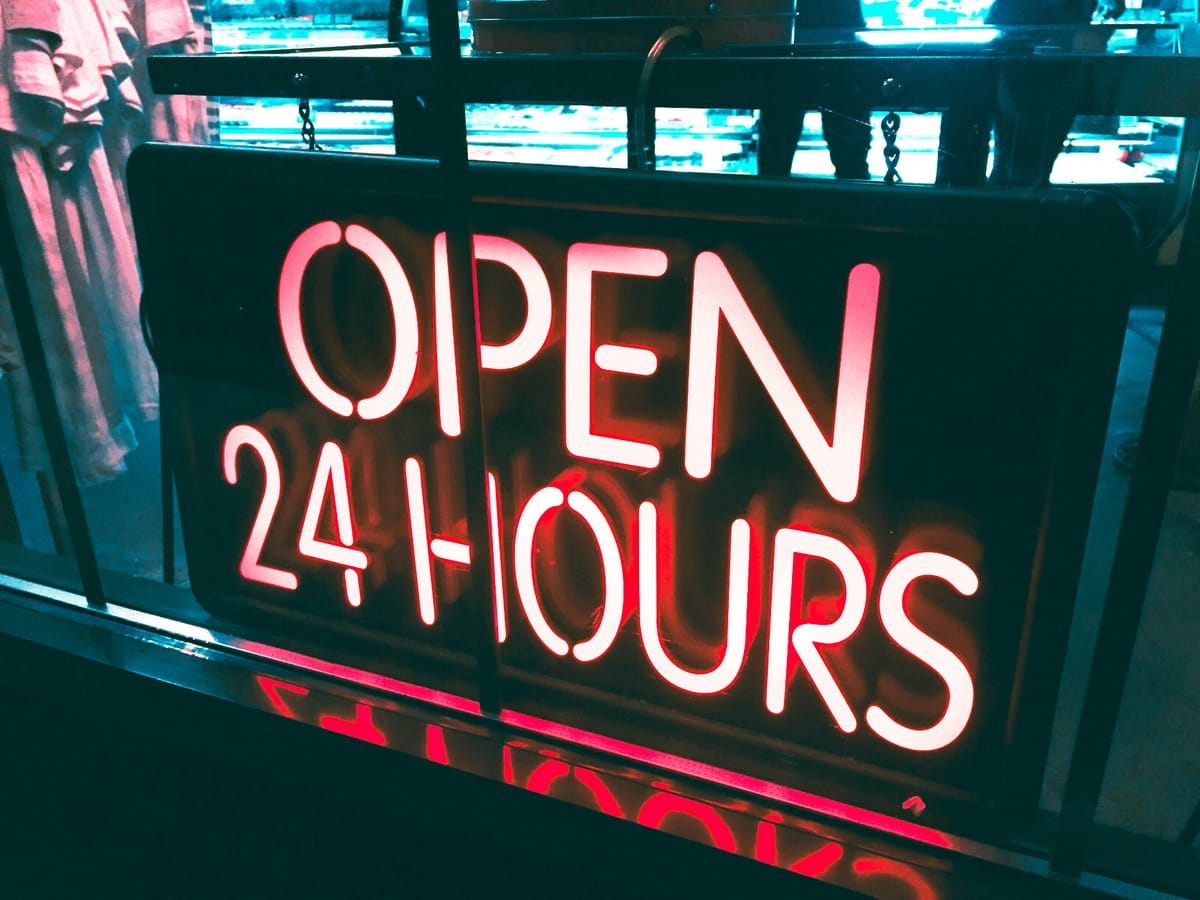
(1092, 357)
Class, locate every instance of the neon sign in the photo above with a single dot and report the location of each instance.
(768, 471)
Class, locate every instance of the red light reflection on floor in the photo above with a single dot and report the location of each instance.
(362, 726)
(873, 867)
(813, 865)
(435, 745)
(655, 810)
(271, 687)
(732, 827)
(358, 676)
(734, 830)
(543, 778)
(737, 781)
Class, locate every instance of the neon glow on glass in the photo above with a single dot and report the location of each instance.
(450, 550)
(716, 296)
(584, 261)
(333, 476)
(907, 636)
(789, 544)
(726, 672)
(250, 568)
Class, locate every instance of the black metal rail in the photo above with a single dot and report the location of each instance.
(1134, 83)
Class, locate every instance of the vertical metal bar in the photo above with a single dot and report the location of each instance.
(168, 508)
(641, 135)
(1137, 543)
(25, 320)
(632, 136)
(1191, 828)
(450, 131)
(410, 118)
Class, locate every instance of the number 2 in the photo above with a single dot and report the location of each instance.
(248, 436)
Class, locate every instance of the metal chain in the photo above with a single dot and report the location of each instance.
(891, 153)
(308, 131)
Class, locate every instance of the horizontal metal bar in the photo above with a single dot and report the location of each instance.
(1159, 85)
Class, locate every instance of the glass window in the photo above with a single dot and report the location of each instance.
(705, 532)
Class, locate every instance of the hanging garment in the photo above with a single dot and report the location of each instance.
(171, 27)
(31, 101)
(98, 434)
(91, 216)
(71, 222)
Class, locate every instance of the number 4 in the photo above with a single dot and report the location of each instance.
(333, 475)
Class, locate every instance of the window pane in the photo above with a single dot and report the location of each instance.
(320, 532)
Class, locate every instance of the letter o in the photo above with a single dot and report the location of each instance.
(536, 508)
(404, 313)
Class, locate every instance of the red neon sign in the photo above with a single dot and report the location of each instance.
(792, 647)
(774, 477)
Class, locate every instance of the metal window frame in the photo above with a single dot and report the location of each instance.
(1167, 85)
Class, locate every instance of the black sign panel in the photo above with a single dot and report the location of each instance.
(792, 479)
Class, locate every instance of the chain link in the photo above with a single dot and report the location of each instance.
(891, 153)
(308, 131)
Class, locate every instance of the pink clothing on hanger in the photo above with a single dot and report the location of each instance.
(31, 101)
(98, 435)
(72, 218)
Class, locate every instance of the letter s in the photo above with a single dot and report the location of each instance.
(907, 636)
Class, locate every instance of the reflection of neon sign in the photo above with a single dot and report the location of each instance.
(765, 836)
(716, 298)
